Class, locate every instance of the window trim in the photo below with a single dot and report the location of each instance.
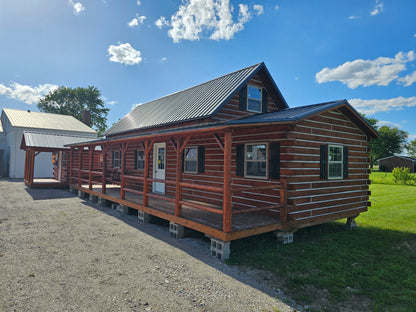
(119, 158)
(196, 159)
(341, 176)
(266, 160)
(249, 98)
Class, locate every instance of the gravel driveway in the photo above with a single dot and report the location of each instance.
(62, 253)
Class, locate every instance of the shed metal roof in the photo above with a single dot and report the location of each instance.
(51, 140)
(399, 156)
(38, 120)
(197, 102)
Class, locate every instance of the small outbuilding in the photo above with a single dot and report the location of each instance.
(14, 122)
(391, 162)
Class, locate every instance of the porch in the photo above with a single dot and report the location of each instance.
(226, 221)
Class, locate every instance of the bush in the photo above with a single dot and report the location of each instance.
(401, 175)
(382, 168)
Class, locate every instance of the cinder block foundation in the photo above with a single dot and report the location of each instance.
(114, 206)
(73, 190)
(350, 225)
(143, 217)
(176, 230)
(93, 198)
(102, 202)
(220, 249)
(284, 237)
(123, 209)
(81, 194)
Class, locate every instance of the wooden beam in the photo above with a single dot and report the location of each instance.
(91, 156)
(227, 193)
(32, 166)
(148, 147)
(71, 150)
(80, 165)
(178, 187)
(124, 147)
(283, 201)
(217, 138)
(185, 142)
(104, 150)
(175, 147)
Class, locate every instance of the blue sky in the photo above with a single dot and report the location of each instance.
(136, 51)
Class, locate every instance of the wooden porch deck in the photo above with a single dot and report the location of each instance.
(46, 183)
(210, 223)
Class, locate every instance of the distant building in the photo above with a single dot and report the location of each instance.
(14, 122)
(391, 162)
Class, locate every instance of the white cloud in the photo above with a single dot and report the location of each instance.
(409, 79)
(352, 17)
(412, 137)
(380, 71)
(138, 2)
(137, 21)
(276, 7)
(77, 6)
(125, 54)
(390, 124)
(378, 8)
(135, 105)
(161, 22)
(25, 93)
(259, 9)
(370, 107)
(196, 19)
(415, 35)
(163, 59)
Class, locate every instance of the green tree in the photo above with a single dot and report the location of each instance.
(392, 141)
(70, 101)
(411, 148)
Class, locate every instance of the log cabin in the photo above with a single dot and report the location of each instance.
(229, 158)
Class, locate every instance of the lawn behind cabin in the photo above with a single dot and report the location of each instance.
(330, 269)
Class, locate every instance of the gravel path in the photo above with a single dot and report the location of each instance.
(62, 253)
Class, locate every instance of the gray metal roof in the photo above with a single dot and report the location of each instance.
(298, 113)
(399, 156)
(51, 140)
(197, 102)
(38, 120)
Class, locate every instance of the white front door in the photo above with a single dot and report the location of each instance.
(159, 165)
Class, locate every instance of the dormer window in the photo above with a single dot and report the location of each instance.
(254, 103)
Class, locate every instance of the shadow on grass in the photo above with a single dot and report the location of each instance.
(370, 262)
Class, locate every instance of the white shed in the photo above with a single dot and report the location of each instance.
(14, 122)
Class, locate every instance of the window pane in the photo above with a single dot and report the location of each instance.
(335, 153)
(254, 93)
(161, 158)
(253, 105)
(190, 165)
(335, 170)
(256, 152)
(256, 169)
(191, 153)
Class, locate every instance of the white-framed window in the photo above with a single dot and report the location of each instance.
(140, 160)
(254, 95)
(335, 162)
(191, 159)
(255, 160)
(116, 159)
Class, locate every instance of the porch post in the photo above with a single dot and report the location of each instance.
(283, 201)
(32, 166)
(227, 195)
(91, 159)
(80, 165)
(104, 149)
(123, 170)
(178, 193)
(26, 167)
(71, 159)
(148, 146)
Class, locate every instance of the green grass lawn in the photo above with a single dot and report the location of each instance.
(376, 263)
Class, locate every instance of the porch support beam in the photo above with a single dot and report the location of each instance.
(283, 201)
(80, 164)
(148, 145)
(227, 193)
(71, 150)
(217, 138)
(104, 150)
(91, 160)
(124, 147)
(178, 187)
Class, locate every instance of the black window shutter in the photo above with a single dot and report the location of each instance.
(239, 160)
(243, 98)
(324, 162)
(112, 159)
(274, 161)
(345, 162)
(264, 101)
(201, 159)
(135, 159)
